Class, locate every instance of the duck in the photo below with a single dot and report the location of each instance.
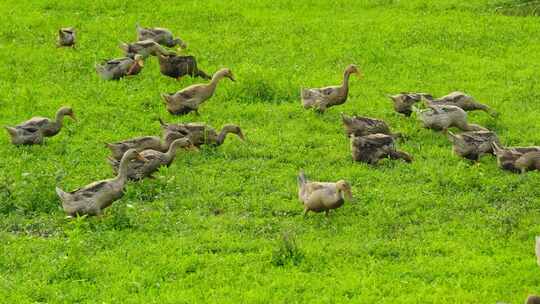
(361, 126)
(92, 199)
(442, 117)
(33, 130)
(404, 101)
(473, 144)
(160, 35)
(323, 98)
(144, 48)
(25, 135)
(532, 299)
(374, 147)
(140, 143)
(179, 66)
(464, 101)
(528, 162)
(66, 36)
(322, 196)
(199, 133)
(117, 68)
(189, 99)
(138, 169)
(507, 156)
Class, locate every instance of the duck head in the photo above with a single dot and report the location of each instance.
(353, 69)
(345, 187)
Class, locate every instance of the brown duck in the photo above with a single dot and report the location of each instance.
(144, 48)
(320, 196)
(32, 131)
(471, 145)
(138, 169)
(198, 133)
(324, 98)
(138, 143)
(528, 162)
(66, 36)
(160, 35)
(93, 198)
(404, 101)
(362, 126)
(179, 66)
(374, 147)
(506, 157)
(189, 99)
(464, 101)
(120, 67)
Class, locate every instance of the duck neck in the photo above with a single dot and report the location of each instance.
(121, 177)
(170, 154)
(215, 79)
(58, 121)
(223, 134)
(345, 85)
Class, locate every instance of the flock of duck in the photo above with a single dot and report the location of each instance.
(370, 139)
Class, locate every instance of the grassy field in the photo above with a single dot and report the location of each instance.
(224, 225)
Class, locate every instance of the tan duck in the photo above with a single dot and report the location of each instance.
(361, 126)
(179, 66)
(66, 36)
(198, 133)
(464, 101)
(532, 299)
(160, 35)
(324, 98)
(138, 169)
(473, 144)
(138, 143)
(93, 198)
(374, 147)
(190, 98)
(404, 101)
(32, 131)
(443, 117)
(120, 67)
(319, 196)
(144, 48)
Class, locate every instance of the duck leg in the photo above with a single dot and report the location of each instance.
(306, 210)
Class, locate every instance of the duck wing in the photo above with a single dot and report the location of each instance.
(480, 139)
(90, 190)
(35, 122)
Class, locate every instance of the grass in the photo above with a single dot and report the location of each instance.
(224, 225)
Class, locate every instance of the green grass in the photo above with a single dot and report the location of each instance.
(439, 230)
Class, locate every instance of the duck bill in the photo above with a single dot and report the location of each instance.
(165, 98)
(192, 147)
(11, 130)
(241, 136)
(359, 74)
(72, 115)
(231, 77)
(140, 63)
(348, 195)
